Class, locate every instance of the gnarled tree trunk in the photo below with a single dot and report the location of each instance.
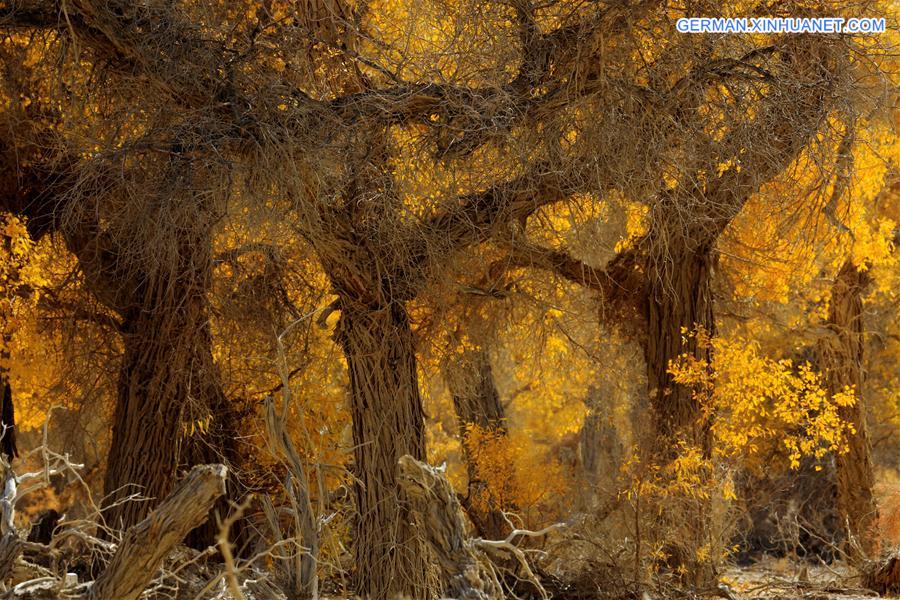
(168, 369)
(679, 300)
(388, 422)
(165, 338)
(841, 356)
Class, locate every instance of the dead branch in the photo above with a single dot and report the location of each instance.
(147, 543)
(436, 509)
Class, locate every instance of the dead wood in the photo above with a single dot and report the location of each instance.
(146, 544)
(439, 517)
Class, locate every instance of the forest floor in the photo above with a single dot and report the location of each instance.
(785, 579)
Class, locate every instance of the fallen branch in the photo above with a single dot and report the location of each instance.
(146, 544)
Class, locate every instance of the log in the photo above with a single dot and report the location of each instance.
(146, 544)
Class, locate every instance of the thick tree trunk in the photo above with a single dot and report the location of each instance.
(841, 362)
(388, 422)
(477, 402)
(679, 300)
(168, 380)
(163, 367)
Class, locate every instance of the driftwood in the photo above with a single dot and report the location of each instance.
(146, 544)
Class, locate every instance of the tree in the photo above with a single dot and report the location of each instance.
(477, 404)
(842, 356)
(196, 104)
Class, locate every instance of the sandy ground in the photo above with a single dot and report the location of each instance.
(774, 578)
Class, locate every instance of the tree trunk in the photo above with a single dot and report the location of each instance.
(435, 509)
(841, 362)
(219, 443)
(168, 381)
(679, 300)
(477, 402)
(168, 369)
(388, 422)
(162, 368)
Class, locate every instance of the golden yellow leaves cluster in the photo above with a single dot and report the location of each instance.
(515, 476)
(760, 402)
(24, 274)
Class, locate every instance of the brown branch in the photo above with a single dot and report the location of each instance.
(147, 543)
(617, 279)
(48, 301)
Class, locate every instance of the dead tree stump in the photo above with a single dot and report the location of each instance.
(884, 576)
(439, 519)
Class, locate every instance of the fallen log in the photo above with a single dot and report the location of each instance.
(146, 544)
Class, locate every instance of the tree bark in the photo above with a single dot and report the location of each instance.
(679, 300)
(162, 368)
(388, 422)
(477, 402)
(168, 368)
(842, 356)
(436, 510)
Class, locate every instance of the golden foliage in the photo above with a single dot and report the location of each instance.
(760, 402)
(516, 476)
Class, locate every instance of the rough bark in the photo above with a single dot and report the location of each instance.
(437, 512)
(10, 543)
(842, 356)
(388, 422)
(167, 368)
(149, 541)
(477, 402)
(679, 300)
(162, 315)
(883, 577)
